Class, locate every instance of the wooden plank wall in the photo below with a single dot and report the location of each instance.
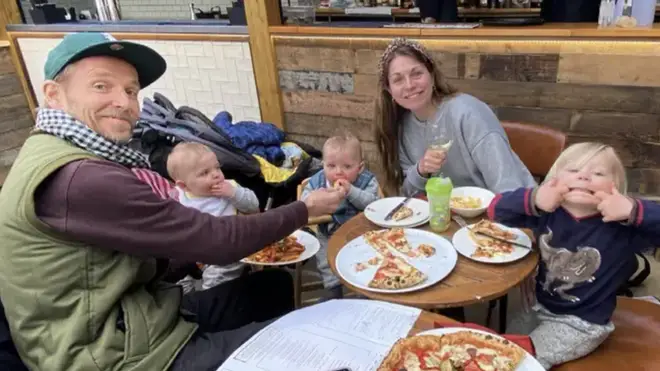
(15, 118)
(602, 91)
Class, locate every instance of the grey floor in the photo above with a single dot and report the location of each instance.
(477, 313)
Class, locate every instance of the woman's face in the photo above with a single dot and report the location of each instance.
(410, 83)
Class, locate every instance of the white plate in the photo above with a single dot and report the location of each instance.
(418, 224)
(435, 267)
(378, 210)
(529, 363)
(466, 247)
(310, 242)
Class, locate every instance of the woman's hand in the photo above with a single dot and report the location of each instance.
(323, 201)
(431, 162)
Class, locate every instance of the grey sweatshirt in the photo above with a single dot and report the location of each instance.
(479, 156)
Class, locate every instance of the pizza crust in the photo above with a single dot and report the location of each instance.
(395, 274)
(394, 359)
(502, 346)
(464, 346)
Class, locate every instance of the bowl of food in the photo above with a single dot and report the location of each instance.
(470, 202)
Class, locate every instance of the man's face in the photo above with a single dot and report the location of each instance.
(101, 92)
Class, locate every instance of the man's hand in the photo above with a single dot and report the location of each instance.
(550, 195)
(431, 162)
(614, 206)
(223, 189)
(323, 201)
(343, 186)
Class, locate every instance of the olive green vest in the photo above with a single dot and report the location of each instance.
(62, 298)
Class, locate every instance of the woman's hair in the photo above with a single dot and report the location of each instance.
(389, 113)
(580, 153)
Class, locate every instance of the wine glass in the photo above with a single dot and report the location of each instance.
(438, 138)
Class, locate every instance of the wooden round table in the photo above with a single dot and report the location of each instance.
(470, 282)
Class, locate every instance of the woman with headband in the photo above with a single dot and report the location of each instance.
(424, 126)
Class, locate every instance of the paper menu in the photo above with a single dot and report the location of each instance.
(348, 333)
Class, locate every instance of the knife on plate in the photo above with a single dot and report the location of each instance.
(396, 208)
(502, 240)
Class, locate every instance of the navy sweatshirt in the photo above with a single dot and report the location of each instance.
(583, 260)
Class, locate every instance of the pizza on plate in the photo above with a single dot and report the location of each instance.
(285, 250)
(377, 240)
(487, 247)
(403, 213)
(459, 351)
(426, 250)
(395, 273)
(396, 237)
(359, 267)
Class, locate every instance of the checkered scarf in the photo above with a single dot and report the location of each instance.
(63, 125)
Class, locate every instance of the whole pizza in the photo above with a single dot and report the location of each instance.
(458, 351)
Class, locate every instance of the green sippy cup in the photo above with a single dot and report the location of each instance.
(438, 192)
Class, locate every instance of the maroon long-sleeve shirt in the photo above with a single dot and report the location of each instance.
(106, 206)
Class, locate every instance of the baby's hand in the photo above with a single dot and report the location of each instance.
(614, 206)
(344, 186)
(550, 195)
(223, 189)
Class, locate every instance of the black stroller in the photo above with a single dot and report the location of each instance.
(161, 126)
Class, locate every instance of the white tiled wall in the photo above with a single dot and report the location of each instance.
(210, 76)
(167, 9)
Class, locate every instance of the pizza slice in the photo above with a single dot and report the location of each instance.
(395, 273)
(492, 229)
(486, 246)
(404, 212)
(396, 237)
(376, 239)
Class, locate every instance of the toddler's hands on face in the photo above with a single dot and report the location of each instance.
(614, 206)
(223, 189)
(550, 195)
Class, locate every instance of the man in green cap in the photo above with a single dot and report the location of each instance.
(84, 243)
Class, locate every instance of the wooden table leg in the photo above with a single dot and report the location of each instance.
(297, 285)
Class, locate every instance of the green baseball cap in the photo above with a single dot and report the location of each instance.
(75, 46)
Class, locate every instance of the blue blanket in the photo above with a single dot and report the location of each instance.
(257, 138)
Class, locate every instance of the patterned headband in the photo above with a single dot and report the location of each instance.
(394, 46)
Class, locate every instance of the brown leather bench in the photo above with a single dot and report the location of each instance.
(537, 146)
(634, 344)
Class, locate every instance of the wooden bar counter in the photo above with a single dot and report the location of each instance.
(596, 85)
